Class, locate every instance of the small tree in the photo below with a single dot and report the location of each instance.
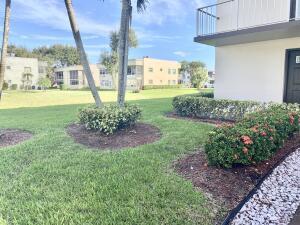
(110, 59)
(44, 82)
(197, 71)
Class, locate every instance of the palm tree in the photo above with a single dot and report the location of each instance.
(126, 17)
(82, 54)
(4, 43)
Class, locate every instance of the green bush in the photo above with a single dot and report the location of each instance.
(14, 87)
(254, 139)
(5, 85)
(110, 118)
(149, 87)
(208, 108)
(62, 87)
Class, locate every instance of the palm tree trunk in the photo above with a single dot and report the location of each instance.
(123, 50)
(82, 54)
(4, 44)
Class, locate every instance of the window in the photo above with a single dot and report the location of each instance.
(174, 82)
(103, 71)
(27, 69)
(8, 67)
(169, 71)
(161, 69)
(150, 70)
(169, 82)
(131, 70)
(150, 82)
(59, 77)
(74, 77)
(161, 81)
(106, 83)
(174, 71)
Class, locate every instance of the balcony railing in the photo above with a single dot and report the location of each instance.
(233, 15)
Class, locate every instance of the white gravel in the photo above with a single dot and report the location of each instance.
(278, 197)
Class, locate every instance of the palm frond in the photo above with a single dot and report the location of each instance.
(141, 5)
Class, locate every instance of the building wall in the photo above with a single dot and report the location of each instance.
(15, 69)
(241, 14)
(160, 72)
(163, 73)
(253, 71)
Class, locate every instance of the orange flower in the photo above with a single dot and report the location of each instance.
(247, 140)
(263, 134)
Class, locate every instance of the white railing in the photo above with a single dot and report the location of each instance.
(232, 15)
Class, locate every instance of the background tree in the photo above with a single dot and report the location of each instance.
(82, 54)
(197, 71)
(44, 82)
(110, 59)
(4, 43)
(126, 17)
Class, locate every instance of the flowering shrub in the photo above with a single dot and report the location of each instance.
(208, 108)
(254, 139)
(110, 118)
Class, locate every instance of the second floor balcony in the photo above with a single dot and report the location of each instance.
(241, 21)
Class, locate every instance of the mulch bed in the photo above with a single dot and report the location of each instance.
(195, 119)
(134, 136)
(9, 137)
(230, 186)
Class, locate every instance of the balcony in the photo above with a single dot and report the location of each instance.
(243, 21)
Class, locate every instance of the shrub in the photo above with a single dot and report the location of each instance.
(62, 87)
(5, 85)
(149, 87)
(136, 91)
(254, 139)
(208, 108)
(110, 118)
(14, 87)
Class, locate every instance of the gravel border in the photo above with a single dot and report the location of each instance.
(278, 197)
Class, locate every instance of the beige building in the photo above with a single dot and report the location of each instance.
(141, 72)
(17, 67)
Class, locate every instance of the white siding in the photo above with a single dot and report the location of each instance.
(253, 71)
(241, 14)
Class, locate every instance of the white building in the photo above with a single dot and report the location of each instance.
(257, 48)
(16, 67)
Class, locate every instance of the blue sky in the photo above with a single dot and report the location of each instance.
(165, 30)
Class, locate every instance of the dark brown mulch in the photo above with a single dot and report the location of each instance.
(195, 119)
(134, 136)
(9, 137)
(230, 186)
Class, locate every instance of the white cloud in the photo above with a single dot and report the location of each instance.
(181, 53)
(52, 13)
(159, 12)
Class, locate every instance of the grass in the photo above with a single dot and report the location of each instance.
(52, 180)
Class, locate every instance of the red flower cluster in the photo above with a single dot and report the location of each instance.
(247, 140)
(254, 129)
(263, 133)
(292, 119)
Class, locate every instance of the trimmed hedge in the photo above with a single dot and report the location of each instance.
(149, 87)
(208, 108)
(254, 139)
(110, 118)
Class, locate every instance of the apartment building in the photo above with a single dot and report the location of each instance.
(16, 67)
(141, 72)
(257, 45)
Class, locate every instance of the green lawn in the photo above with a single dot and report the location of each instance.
(52, 180)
